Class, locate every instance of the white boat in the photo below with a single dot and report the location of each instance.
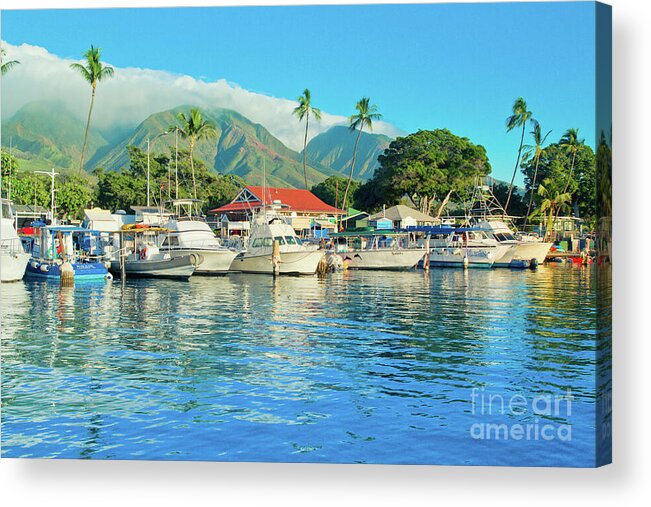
(528, 249)
(13, 258)
(377, 249)
(486, 213)
(142, 256)
(459, 257)
(190, 234)
(274, 248)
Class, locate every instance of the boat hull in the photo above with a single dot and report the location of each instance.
(213, 262)
(181, 267)
(389, 260)
(12, 266)
(532, 250)
(504, 254)
(291, 263)
(84, 271)
(454, 258)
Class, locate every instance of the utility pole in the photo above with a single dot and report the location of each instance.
(52, 175)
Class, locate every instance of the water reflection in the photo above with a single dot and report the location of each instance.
(358, 366)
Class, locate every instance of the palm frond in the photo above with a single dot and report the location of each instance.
(83, 71)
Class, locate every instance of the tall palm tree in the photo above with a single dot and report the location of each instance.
(519, 118)
(571, 142)
(194, 128)
(7, 66)
(535, 150)
(303, 110)
(93, 72)
(366, 114)
(553, 201)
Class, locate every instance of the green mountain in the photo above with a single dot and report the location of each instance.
(46, 134)
(334, 149)
(242, 147)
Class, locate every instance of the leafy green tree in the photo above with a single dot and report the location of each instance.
(330, 190)
(520, 117)
(6, 66)
(194, 128)
(555, 163)
(73, 196)
(366, 114)
(426, 166)
(127, 187)
(533, 151)
(303, 110)
(553, 202)
(93, 72)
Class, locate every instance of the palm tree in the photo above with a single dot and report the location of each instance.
(194, 128)
(303, 110)
(93, 72)
(535, 150)
(519, 118)
(366, 114)
(553, 202)
(571, 142)
(7, 66)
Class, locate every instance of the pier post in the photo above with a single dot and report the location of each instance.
(66, 271)
(427, 255)
(123, 270)
(275, 258)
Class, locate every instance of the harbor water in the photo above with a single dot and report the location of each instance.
(356, 367)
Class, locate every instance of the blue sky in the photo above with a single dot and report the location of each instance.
(458, 66)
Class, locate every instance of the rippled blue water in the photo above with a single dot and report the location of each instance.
(357, 367)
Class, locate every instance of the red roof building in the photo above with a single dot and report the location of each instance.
(301, 202)
(301, 206)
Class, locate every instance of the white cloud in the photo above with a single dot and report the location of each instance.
(134, 93)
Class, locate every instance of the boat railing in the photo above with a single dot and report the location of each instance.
(12, 245)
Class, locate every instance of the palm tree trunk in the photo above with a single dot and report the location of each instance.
(83, 149)
(569, 178)
(307, 121)
(533, 185)
(352, 166)
(194, 183)
(515, 169)
(567, 184)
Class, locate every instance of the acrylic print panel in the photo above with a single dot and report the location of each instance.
(270, 242)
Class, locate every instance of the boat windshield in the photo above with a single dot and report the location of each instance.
(501, 236)
(259, 242)
(290, 240)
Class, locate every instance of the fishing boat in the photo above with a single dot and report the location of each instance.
(274, 248)
(13, 258)
(139, 255)
(190, 234)
(478, 246)
(52, 246)
(462, 247)
(377, 249)
(487, 214)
